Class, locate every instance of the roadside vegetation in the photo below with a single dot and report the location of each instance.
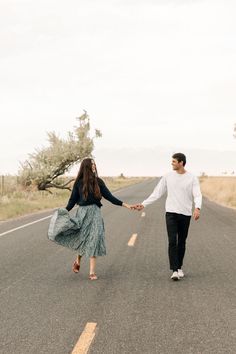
(42, 182)
(17, 201)
(221, 190)
(44, 167)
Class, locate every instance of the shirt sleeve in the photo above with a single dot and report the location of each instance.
(197, 195)
(107, 194)
(74, 197)
(158, 192)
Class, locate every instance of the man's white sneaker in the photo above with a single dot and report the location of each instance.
(181, 273)
(175, 276)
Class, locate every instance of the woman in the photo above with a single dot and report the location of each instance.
(84, 233)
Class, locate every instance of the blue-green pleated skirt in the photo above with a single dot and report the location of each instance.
(83, 232)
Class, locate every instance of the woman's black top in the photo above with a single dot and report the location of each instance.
(77, 196)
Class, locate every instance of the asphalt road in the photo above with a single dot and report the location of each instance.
(44, 307)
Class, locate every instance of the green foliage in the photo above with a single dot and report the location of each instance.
(45, 165)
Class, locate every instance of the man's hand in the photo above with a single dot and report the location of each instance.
(137, 207)
(196, 214)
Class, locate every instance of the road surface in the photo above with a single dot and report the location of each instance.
(44, 307)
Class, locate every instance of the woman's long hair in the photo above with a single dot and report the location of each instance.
(89, 178)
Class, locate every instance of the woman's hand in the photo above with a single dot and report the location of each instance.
(127, 206)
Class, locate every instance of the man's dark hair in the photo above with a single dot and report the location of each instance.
(180, 157)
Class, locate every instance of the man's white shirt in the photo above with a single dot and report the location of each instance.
(182, 191)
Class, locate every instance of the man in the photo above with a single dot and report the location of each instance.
(182, 190)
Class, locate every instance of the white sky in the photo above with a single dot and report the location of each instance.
(150, 74)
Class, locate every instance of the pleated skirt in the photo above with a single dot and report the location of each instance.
(83, 233)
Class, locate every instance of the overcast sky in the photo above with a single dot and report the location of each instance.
(153, 75)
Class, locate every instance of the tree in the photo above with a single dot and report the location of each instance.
(43, 167)
(203, 174)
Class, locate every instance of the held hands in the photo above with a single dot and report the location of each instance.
(137, 207)
(134, 206)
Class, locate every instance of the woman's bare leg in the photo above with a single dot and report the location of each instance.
(92, 265)
(92, 275)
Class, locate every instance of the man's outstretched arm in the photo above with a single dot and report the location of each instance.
(158, 192)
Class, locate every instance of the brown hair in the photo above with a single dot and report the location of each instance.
(180, 157)
(90, 179)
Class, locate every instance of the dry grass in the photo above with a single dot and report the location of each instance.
(22, 203)
(17, 202)
(221, 190)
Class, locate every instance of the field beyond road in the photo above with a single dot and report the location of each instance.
(221, 190)
(16, 202)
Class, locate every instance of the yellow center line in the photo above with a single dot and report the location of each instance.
(132, 240)
(85, 340)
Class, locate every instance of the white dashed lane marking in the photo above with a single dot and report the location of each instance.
(23, 226)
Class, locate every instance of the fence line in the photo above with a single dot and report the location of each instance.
(8, 184)
(2, 185)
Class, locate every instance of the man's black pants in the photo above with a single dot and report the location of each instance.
(177, 229)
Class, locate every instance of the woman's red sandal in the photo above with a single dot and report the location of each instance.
(76, 267)
(93, 276)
